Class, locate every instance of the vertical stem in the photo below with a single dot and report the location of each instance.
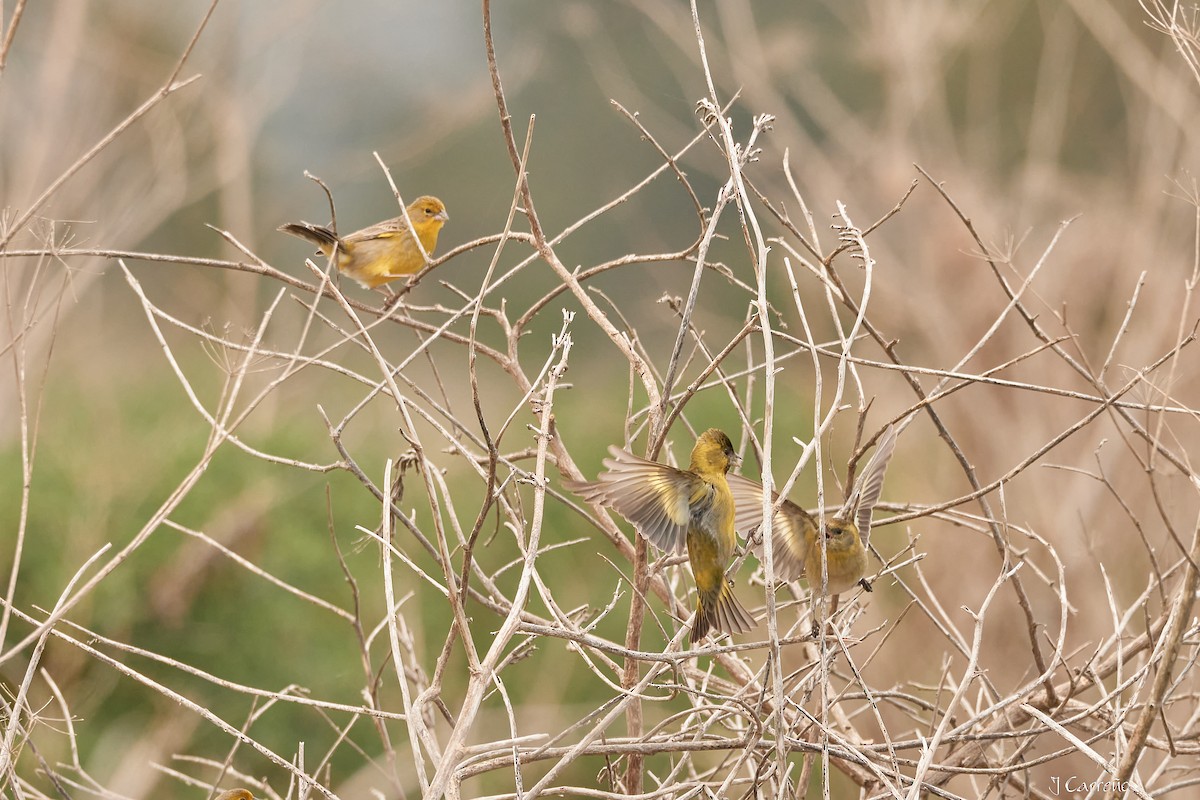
(629, 677)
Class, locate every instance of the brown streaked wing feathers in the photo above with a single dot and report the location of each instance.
(747, 502)
(629, 486)
(380, 230)
(871, 483)
(790, 547)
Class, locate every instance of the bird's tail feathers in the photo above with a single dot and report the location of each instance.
(720, 610)
(319, 235)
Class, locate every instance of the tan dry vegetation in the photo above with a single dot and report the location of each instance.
(974, 220)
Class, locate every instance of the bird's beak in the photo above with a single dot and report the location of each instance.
(442, 215)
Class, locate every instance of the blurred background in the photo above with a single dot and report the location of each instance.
(1030, 113)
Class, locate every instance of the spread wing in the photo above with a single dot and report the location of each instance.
(652, 496)
(790, 526)
(870, 484)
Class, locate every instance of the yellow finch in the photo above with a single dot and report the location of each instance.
(235, 794)
(673, 508)
(386, 250)
(796, 544)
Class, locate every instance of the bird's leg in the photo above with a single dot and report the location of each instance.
(816, 624)
(865, 584)
(754, 539)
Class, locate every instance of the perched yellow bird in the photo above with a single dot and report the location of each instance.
(386, 250)
(235, 794)
(796, 545)
(673, 508)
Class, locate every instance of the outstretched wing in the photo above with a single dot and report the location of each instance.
(790, 526)
(652, 496)
(870, 484)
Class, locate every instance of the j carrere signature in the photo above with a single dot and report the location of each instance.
(1075, 785)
